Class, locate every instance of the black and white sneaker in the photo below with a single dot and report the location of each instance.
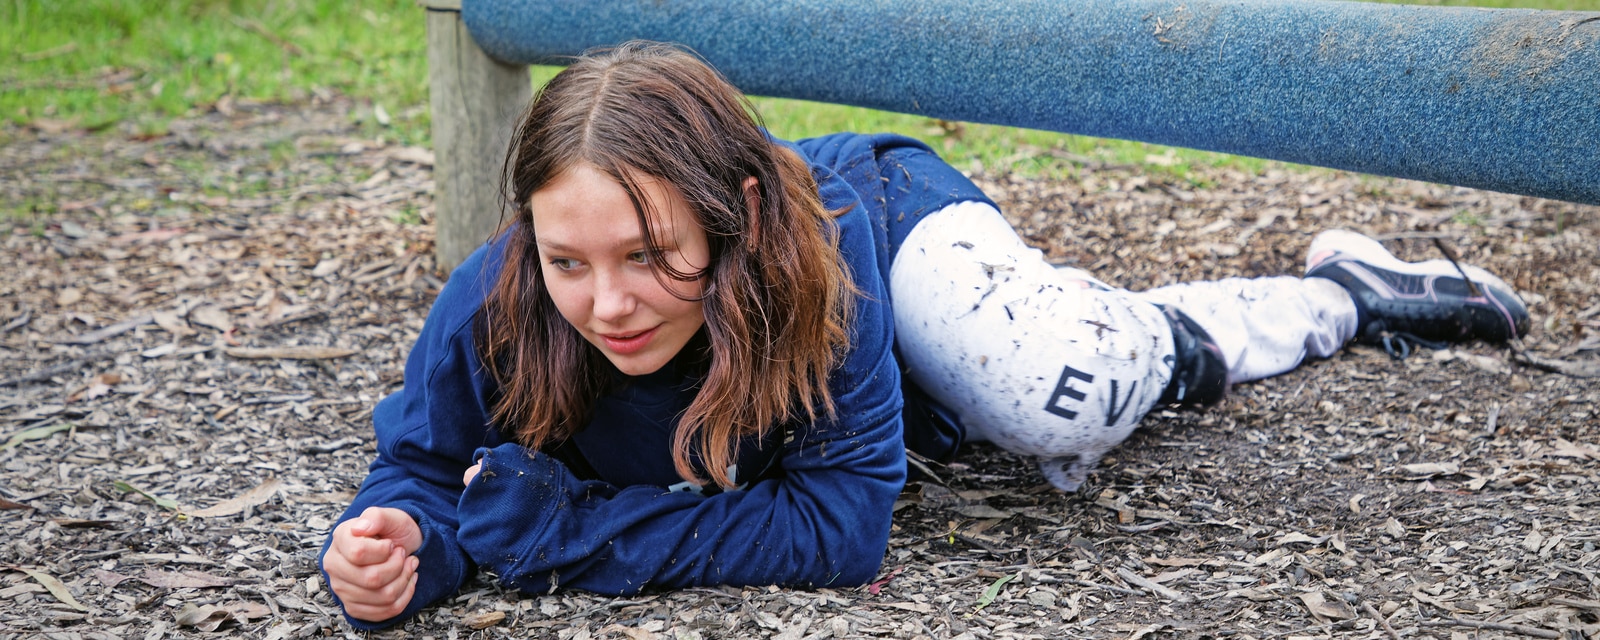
(1419, 302)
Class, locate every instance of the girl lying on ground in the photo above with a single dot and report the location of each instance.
(697, 355)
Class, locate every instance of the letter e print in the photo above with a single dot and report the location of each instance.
(1064, 392)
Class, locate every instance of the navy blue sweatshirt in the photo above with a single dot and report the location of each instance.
(605, 511)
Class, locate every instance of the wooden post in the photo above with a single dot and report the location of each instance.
(476, 100)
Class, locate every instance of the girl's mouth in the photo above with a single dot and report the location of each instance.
(625, 344)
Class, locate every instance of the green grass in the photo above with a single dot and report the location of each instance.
(98, 63)
(134, 65)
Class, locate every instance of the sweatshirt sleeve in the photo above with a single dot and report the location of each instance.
(824, 522)
(426, 434)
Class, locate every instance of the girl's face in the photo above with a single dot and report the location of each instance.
(599, 274)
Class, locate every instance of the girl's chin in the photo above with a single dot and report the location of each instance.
(632, 366)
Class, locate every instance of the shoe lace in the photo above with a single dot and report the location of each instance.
(1398, 344)
(1472, 287)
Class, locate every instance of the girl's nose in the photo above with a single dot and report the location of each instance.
(613, 300)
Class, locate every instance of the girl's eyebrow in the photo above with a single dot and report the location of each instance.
(551, 245)
(546, 244)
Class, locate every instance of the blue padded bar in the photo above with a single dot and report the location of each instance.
(1503, 99)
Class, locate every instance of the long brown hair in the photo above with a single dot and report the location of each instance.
(777, 298)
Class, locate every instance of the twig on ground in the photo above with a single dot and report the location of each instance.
(1564, 367)
(300, 397)
(266, 596)
(1576, 604)
(262, 30)
(1141, 581)
(293, 318)
(52, 52)
(1493, 626)
(18, 322)
(49, 372)
(1413, 235)
(100, 335)
(1373, 613)
(1106, 587)
(1342, 624)
(115, 183)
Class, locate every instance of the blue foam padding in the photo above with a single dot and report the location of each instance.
(1499, 99)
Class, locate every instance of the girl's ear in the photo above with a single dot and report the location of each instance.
(752, 205)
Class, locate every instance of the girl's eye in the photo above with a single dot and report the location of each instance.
(563, 264)
(639, 257)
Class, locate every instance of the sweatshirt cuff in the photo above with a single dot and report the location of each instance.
(507, 506)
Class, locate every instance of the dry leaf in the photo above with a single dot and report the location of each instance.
(54, 586)
(7, 504)
(164, 558)
(142, 237)
(68, 297)
(1567, 449)
(79, 523)
(1176, 562)
(1168, 576)
(108, 578)
(413, 155)
(290, 353)
(632, 633)
(382, 176)
(210, 617)
(980, 511)
(170, 322)
(276, 311)
(327, 268)
(99, 387)
(157, 352)
(483, 619)
(1486, 363)
(52, 126)
(1270, 556)
(212, 316)
(260, 494)
(1252, 594)
(916, 607)
(1533, 541)
(186, 579)
(73, 230)
(1431, 469)
(206, 618)
(1296, 536)
(1149, 629)
(878, 585)
(1320, 606)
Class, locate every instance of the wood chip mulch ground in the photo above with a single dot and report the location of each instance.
(194, 329)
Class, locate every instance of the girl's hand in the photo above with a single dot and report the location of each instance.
(369, 563)
(472, 472)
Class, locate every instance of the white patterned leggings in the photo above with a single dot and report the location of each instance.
(1052, 363)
